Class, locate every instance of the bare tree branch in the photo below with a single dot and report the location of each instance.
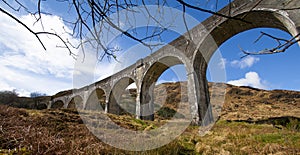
(24, 25)
(282, 45)
(93, 20)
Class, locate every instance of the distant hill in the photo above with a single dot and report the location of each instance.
(228, 101)
(12, 99)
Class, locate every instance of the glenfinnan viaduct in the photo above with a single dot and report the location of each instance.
(193, 50)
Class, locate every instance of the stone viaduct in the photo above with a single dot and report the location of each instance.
(194, 50)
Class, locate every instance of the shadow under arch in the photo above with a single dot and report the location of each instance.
(57, 104)
(148, 83)
(116, 104)
(96, 100)
(76, 103)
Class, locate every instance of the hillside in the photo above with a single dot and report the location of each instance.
(250, 121)
(235, 103)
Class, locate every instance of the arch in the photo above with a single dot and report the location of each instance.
(219, 33)
(57, 104)
(228, 28)
(115, 104)
(149, 80)
(76, 102)
(96, 101)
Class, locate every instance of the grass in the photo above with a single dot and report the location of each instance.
(245, 138)
(61, 131)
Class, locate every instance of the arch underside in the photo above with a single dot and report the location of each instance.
(57, 104)
(231, 27)
(122, 100)
(96, 101)
(148, 84)
(76, 103)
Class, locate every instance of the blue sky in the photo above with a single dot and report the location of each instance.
(278, 71)
(26, 67)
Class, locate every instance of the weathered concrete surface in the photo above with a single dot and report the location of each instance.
(194, 52)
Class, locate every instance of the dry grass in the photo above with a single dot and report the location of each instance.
(252, 122)
(62, 132)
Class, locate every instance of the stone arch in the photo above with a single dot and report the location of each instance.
(76, 103)
(150, 78)
(114, 104)
(221, 32)
(96, 100)
(57, 104)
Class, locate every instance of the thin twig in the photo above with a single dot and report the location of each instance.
(282, 45)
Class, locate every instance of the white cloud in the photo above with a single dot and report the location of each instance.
(251, 79)
(248, 61)
(25, 65)
(26, 53)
